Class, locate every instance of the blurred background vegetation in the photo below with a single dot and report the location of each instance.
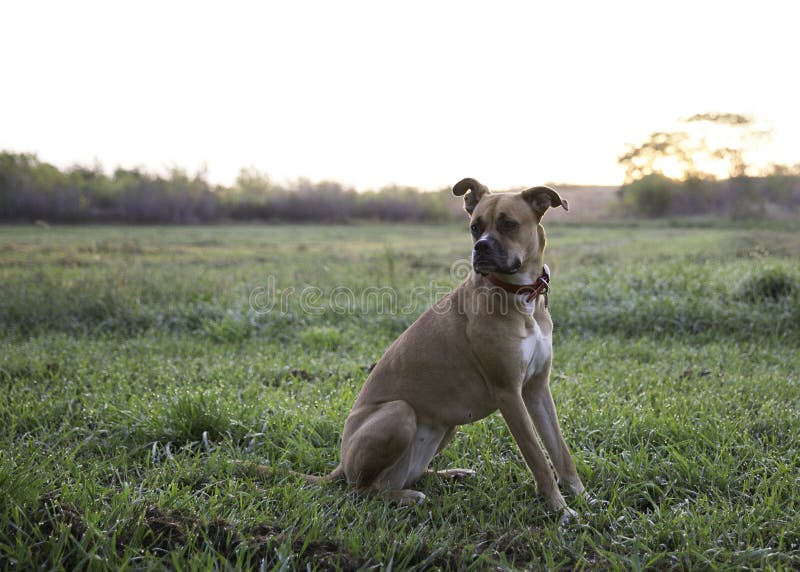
(31, 189)
(709, 168)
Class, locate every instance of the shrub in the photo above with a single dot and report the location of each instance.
(651, 196)
(769, 284)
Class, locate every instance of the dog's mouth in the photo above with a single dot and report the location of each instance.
(487, 264)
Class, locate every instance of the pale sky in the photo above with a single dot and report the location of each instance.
(369, 93)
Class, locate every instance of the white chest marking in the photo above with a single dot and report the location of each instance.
(536, 350)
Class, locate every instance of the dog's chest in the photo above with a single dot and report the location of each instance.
(536, 349)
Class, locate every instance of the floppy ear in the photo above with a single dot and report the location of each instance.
(474, 192)
(542, 198)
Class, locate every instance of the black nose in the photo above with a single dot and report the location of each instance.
(483, 246)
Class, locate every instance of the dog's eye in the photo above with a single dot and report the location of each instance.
(474, 228)
(509, 225)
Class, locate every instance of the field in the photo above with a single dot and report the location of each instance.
(137, 362)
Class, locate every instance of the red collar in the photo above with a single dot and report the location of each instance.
(540, 286)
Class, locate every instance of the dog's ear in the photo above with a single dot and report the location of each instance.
(542, 198)
(474, 192)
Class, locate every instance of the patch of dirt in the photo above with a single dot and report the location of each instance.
(692, 373)
(519, 548)
(291, 374)
(49, 516)
(222, 535)
(300, 374)
(165, 531)
(324, 554)
(54, 512)
(160, 531)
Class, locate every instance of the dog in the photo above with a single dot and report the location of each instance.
(485, 346)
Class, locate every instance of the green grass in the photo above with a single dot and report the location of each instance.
(134, 367)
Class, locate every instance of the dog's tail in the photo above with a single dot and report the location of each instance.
(264, 471)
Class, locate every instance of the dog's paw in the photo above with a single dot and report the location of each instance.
(456, 474)
(567, 515)
(408, 497)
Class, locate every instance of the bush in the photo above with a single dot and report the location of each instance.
(651, 196)
(738, 197)
(769, 284)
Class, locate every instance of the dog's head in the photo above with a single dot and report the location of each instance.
(506, 231)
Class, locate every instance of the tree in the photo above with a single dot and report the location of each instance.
(696, 152)
(653, 155)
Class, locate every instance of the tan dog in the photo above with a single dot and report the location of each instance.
(483, 347)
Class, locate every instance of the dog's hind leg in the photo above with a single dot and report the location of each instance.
(385, 450)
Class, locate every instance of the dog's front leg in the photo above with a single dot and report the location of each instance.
(513, 409)
(542, 409)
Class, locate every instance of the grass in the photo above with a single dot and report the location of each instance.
(136, 362)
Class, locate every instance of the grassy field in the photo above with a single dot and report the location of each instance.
(136, 362)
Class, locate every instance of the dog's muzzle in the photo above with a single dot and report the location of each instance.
(488, 256)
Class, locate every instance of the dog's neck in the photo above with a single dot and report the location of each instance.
(518, 278)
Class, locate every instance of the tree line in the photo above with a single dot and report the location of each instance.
(31, 189)
(705, 168)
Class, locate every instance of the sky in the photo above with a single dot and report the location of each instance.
(419, 93)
